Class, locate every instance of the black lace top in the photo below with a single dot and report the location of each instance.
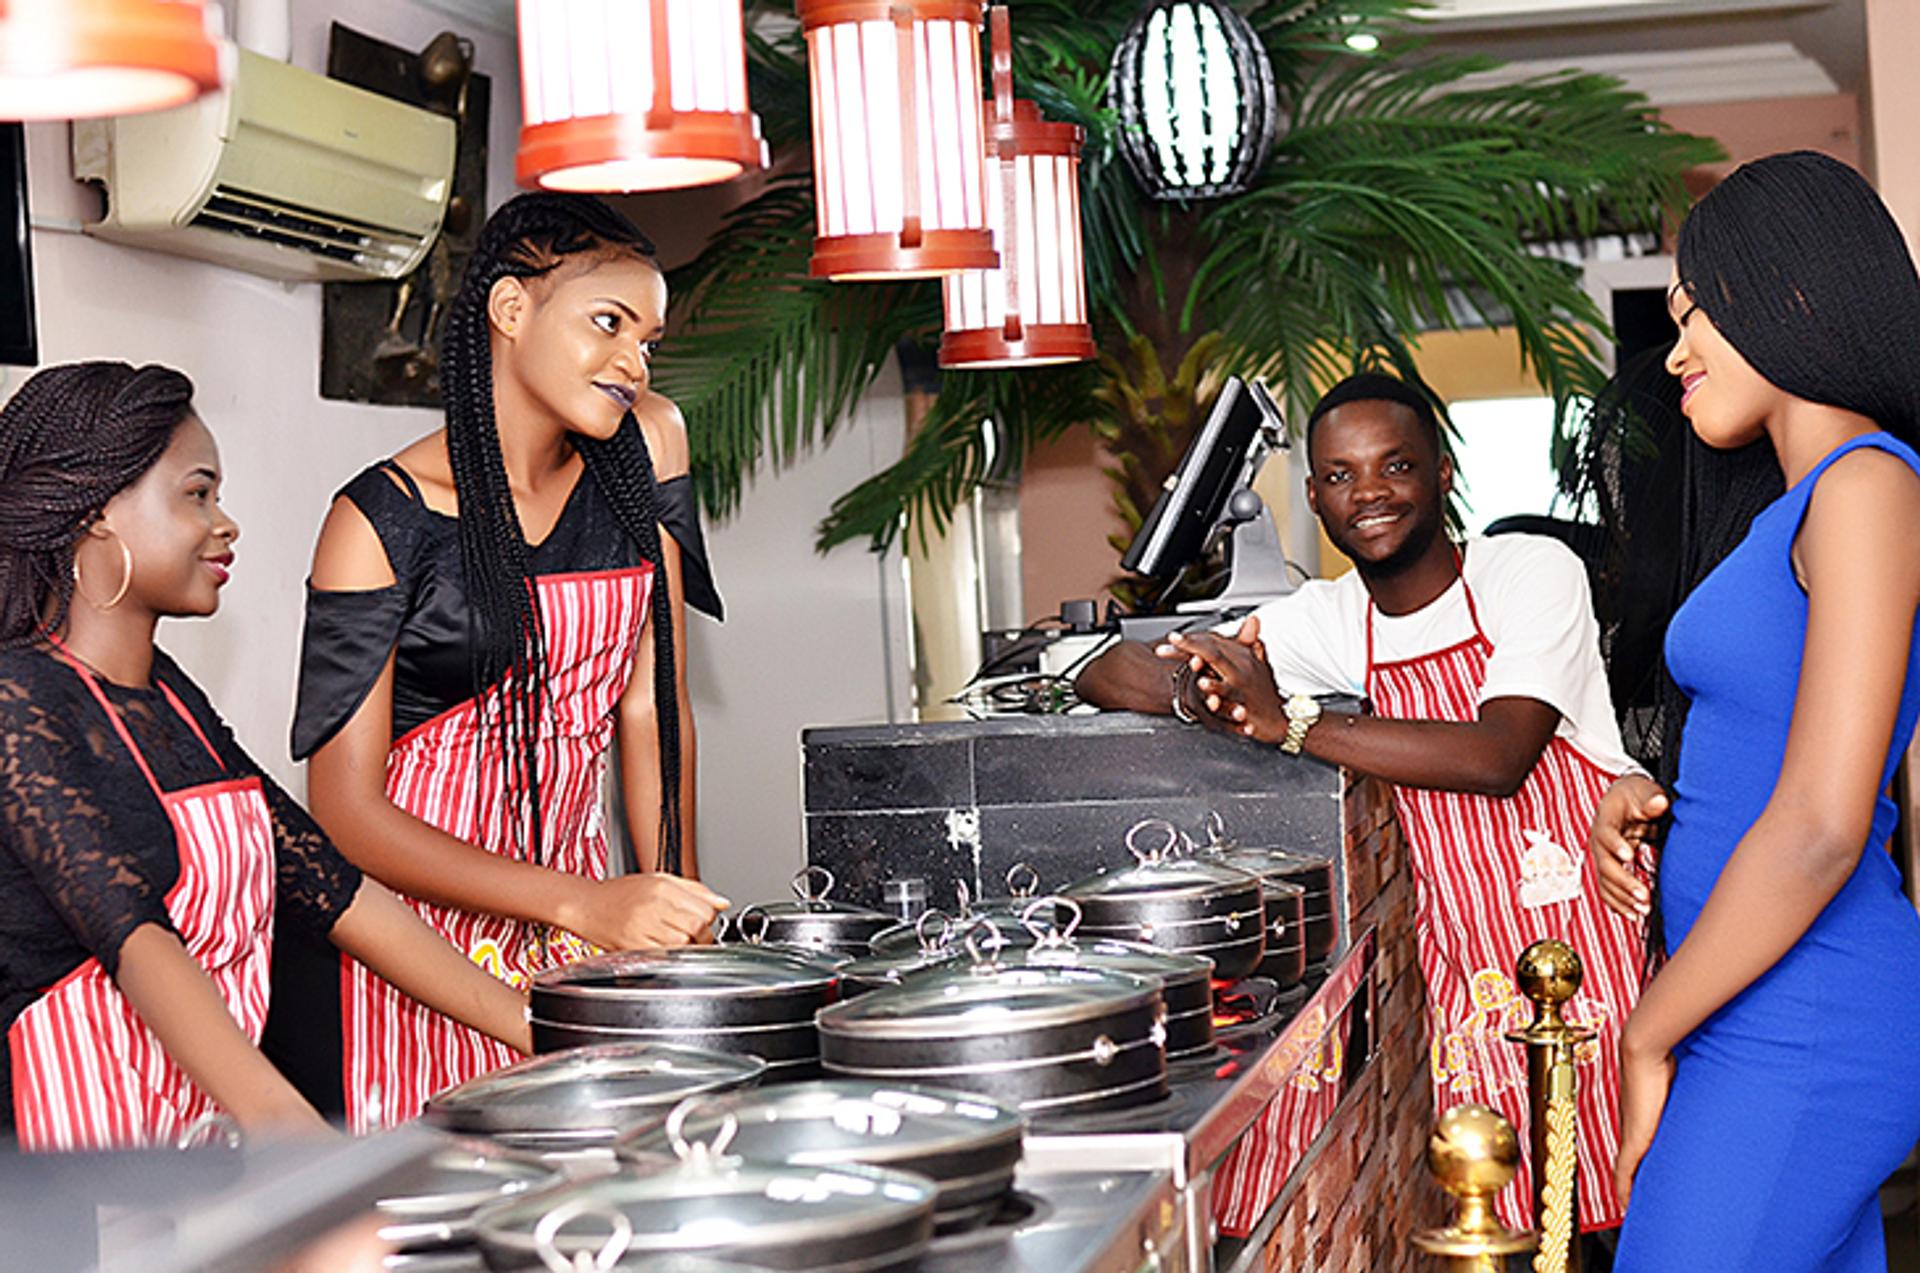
(422, 618)
(87, 852)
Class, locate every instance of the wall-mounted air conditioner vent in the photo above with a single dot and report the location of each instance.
(284, 173)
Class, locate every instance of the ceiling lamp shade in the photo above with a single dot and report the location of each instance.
(898, 159)
(81, 59)
(1032, 308)
(1193, 88)
(621, 95)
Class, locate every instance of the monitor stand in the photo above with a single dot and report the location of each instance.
(1257, 572)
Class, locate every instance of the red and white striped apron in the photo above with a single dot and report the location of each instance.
(447, 773)
(87, 1072)
(1471, 926)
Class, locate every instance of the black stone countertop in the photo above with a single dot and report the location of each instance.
(966, 800)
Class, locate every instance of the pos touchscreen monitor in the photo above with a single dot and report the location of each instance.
(1192, 501)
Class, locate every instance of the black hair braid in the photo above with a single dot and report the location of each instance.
(623, 468)
(1800, 265)
(527, 238)
(72, 438)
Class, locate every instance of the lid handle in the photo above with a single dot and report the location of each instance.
(1022, 881)
(983, 942)
(1051, 932)
(215, 1125)
(753, 935)
(1217, 837)
(812, 883)
(546, 1237)
(1147, 829)
(699, 1153)
(930, 941)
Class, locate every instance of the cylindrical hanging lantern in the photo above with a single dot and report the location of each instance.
(80, 59)
(634, 95)
(1032, 309)
(898, 161)
(1194, 91)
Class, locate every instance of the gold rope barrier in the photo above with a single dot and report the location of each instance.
(1473, 1153)
(1549, 973)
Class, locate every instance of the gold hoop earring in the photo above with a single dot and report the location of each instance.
(126, 577)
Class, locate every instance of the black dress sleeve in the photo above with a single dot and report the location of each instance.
(349, 635)
(78, 815)
(680, 514)
(314, 882)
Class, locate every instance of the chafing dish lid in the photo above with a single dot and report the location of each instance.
(712, 1203)
(608, 1085)
(690, 971)
(462, 1177)
(1160, 869)
(845, 1120)
(963, 1000)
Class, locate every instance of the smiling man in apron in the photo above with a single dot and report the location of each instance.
(1493, 724)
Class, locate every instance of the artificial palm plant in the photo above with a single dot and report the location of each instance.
(1398, 197)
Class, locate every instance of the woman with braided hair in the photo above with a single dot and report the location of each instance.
(490, 610)
(1769, 1079)
(144, 857)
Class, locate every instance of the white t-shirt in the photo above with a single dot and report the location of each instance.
(1535, 608)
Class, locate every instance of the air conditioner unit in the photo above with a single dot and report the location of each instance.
(283, 173)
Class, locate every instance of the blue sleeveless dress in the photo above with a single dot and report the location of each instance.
(1793, 1103)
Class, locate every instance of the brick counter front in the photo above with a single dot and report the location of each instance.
(1361, 1189)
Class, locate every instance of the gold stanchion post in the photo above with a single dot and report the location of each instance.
(1549, 974)
(1473, 1153)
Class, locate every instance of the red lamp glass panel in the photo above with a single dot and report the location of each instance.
(622, 95)
(898, 159)
(80, 59)
(1032, 308)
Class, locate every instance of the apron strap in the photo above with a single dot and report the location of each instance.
(192, 724)
(119, 726)
(1473, 613)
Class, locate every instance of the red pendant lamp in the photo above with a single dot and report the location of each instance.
(79, 59)
(1032, 310)
(898, 165)
(622, 95)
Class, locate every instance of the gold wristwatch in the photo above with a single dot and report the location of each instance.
(1303, 710)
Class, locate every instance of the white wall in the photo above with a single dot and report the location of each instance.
(809, 640)
(804, 643)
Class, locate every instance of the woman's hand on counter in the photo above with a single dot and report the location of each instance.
(640, 912)
(1624, 826)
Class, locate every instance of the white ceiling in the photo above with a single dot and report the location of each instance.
(1685, 77)
(1675, 51)
(1540, 13)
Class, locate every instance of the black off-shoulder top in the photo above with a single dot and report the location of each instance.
(423, 619)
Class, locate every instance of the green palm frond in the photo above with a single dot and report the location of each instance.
(1404, 193)
(767, 360)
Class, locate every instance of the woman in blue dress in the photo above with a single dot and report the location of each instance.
(1771, 1073)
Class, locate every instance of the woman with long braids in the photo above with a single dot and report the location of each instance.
(489, 611)
(1769, 1079)
(144, 857)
